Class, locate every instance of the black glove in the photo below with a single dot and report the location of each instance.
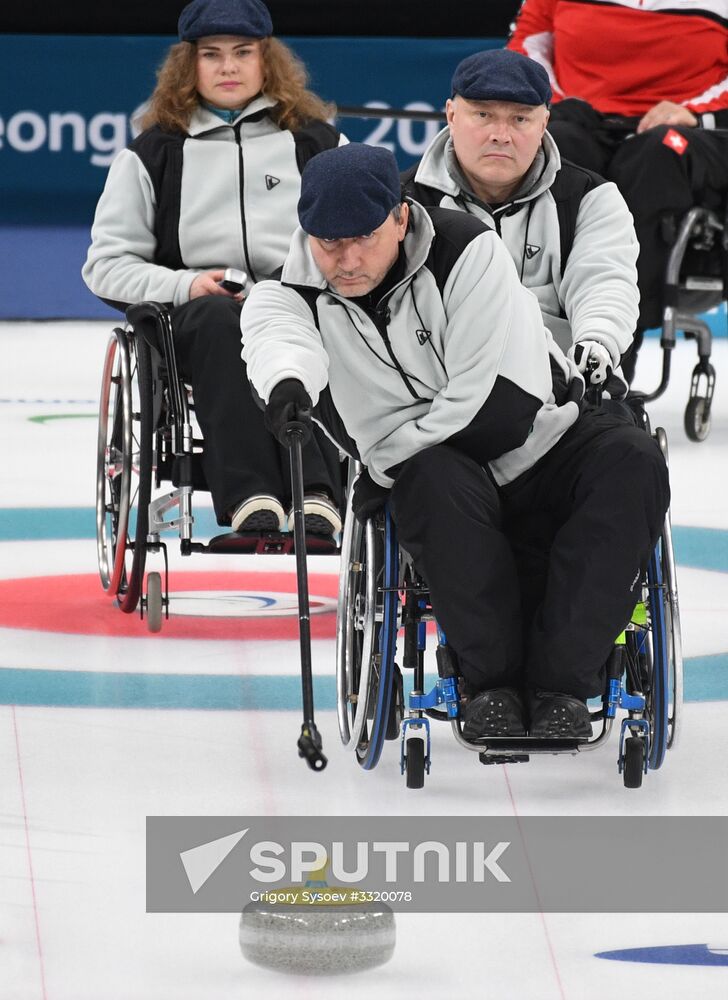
(593, 361)
(368, 497)
(289, 408)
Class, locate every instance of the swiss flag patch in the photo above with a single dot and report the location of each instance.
(675, 141)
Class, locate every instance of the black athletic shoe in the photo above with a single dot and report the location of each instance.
(320, 515)
(498, 712)
(261, 512)
(555, 715)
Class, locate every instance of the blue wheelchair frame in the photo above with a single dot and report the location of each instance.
(644, 673)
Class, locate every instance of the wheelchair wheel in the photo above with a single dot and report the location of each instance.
(654, 655)
(657, 695)
(672, 647)
(124, 467)
(697, 418)
(634, 761)
(415, 762)
(648, 669)
(654, 647)
(154, 602)
(366, 636)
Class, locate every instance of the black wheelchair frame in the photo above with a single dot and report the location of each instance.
(145, 438)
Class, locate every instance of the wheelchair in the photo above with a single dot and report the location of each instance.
(696, 280)
(146, 439)
(381, 596)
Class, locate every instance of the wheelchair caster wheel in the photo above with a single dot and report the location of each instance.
(634, 761)
(697, 418)
(154, 602)
(415, 762)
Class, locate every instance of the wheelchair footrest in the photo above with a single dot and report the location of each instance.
(513, 758)
(272, 542)
(496, 746)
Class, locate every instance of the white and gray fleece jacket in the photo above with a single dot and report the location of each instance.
(177, 204)
(593, 295)
(455, 352)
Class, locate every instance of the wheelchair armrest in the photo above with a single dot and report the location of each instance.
(696, 221)
(153, 322)
(141, 311)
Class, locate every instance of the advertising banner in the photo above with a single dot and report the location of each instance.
(62, 123)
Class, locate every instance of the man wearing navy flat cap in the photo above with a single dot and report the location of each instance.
(408, 333)
(568, 231)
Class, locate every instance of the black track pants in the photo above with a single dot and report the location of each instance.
(656, 182)
(241, 457)
(534, 581)
(655, 179)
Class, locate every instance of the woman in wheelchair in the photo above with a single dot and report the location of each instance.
(471, 423)
(212, 183)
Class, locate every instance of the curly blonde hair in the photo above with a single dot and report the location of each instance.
(175, 97)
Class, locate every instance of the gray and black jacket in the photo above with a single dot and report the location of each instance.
(455, 352)
(220, 196)
(569, 232)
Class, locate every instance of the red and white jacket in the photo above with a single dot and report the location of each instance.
(624, 56)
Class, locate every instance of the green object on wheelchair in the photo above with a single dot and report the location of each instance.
(639, 617)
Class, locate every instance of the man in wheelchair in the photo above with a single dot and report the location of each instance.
(569, 232)
(530, 515)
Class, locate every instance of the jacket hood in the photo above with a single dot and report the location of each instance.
(301, 270)
(433, 171)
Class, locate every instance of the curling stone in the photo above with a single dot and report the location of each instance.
(317, 940)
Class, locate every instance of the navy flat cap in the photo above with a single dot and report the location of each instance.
(348, 191)
(247, 18)
(501, 75)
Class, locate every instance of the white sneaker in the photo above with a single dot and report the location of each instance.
(320, 514)
(259, 513)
